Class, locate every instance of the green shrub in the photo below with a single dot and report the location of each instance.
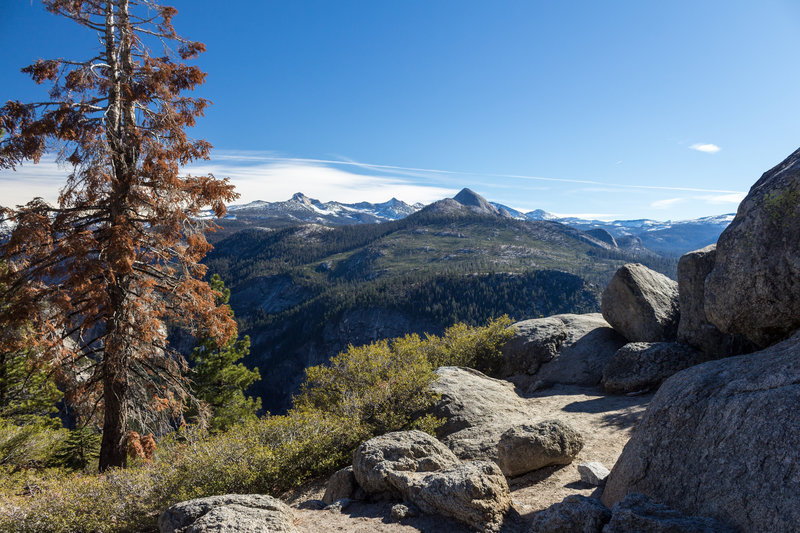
(374, 388)
(28, 445)
(474, 347)
(362, 392)
(59, 502)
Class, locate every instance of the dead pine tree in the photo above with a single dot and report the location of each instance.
(97, 276)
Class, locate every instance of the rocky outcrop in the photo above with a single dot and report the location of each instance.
(476, 410)
(529, 447)
(342, 484)
(486, 420)
(602, 235)
(636, 513)
(569, 349)
(642, 304)
(379, 462)
(413, 466)
(575, 514)
(232, 513)
(470, 398)
(634, 245)
(640, 366)
(722, 439)
(753, 288)
(694, 329)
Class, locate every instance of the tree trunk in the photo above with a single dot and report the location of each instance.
(113, 448)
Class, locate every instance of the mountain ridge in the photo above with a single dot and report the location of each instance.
(668, 237)
(304, 292)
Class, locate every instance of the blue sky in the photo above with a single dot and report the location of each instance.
(619, 109)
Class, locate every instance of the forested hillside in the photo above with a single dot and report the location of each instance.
(304, 293)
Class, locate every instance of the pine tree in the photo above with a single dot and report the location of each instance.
(218, 381)
(28, 392)
(99, 274)
(79, 449)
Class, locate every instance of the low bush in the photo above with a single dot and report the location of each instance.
(60, 501)
(475, 347)
(30, 445)
(362, 392)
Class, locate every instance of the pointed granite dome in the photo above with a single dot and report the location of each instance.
(302, 198)
(475, 202)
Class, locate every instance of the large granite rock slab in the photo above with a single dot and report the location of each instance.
(642, 304)
(569, 349)
(640, 366)
(754, 288)
(232, 513)
(722, 439)
(470, 398)
(694, 328)
(636, 513)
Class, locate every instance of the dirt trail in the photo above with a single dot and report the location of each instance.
(604, 421)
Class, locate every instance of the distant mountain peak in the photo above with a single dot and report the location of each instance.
(478, 204)
(303, 209)
(540, 214)
(470, 198)
(302, 198)
(669, 237)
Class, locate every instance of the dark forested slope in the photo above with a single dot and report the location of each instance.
(304, 293)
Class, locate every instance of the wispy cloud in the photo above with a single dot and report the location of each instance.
(733, 198)
(666, 203)
(278, 180)
(718, 199)
(44, 180)
(434, 173)
(269, 176)
(707, 148)
(257, 176)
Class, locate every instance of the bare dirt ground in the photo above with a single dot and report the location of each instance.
(604, 421)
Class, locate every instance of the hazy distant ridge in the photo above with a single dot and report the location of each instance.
(663, 237)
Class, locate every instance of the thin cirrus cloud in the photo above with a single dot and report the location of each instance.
(707, 148)
(719, 199)
(271, 177)
(438, 174)
(29, 181)
(274, 181)
(666, 203)
(733, 198)
(256, 176)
